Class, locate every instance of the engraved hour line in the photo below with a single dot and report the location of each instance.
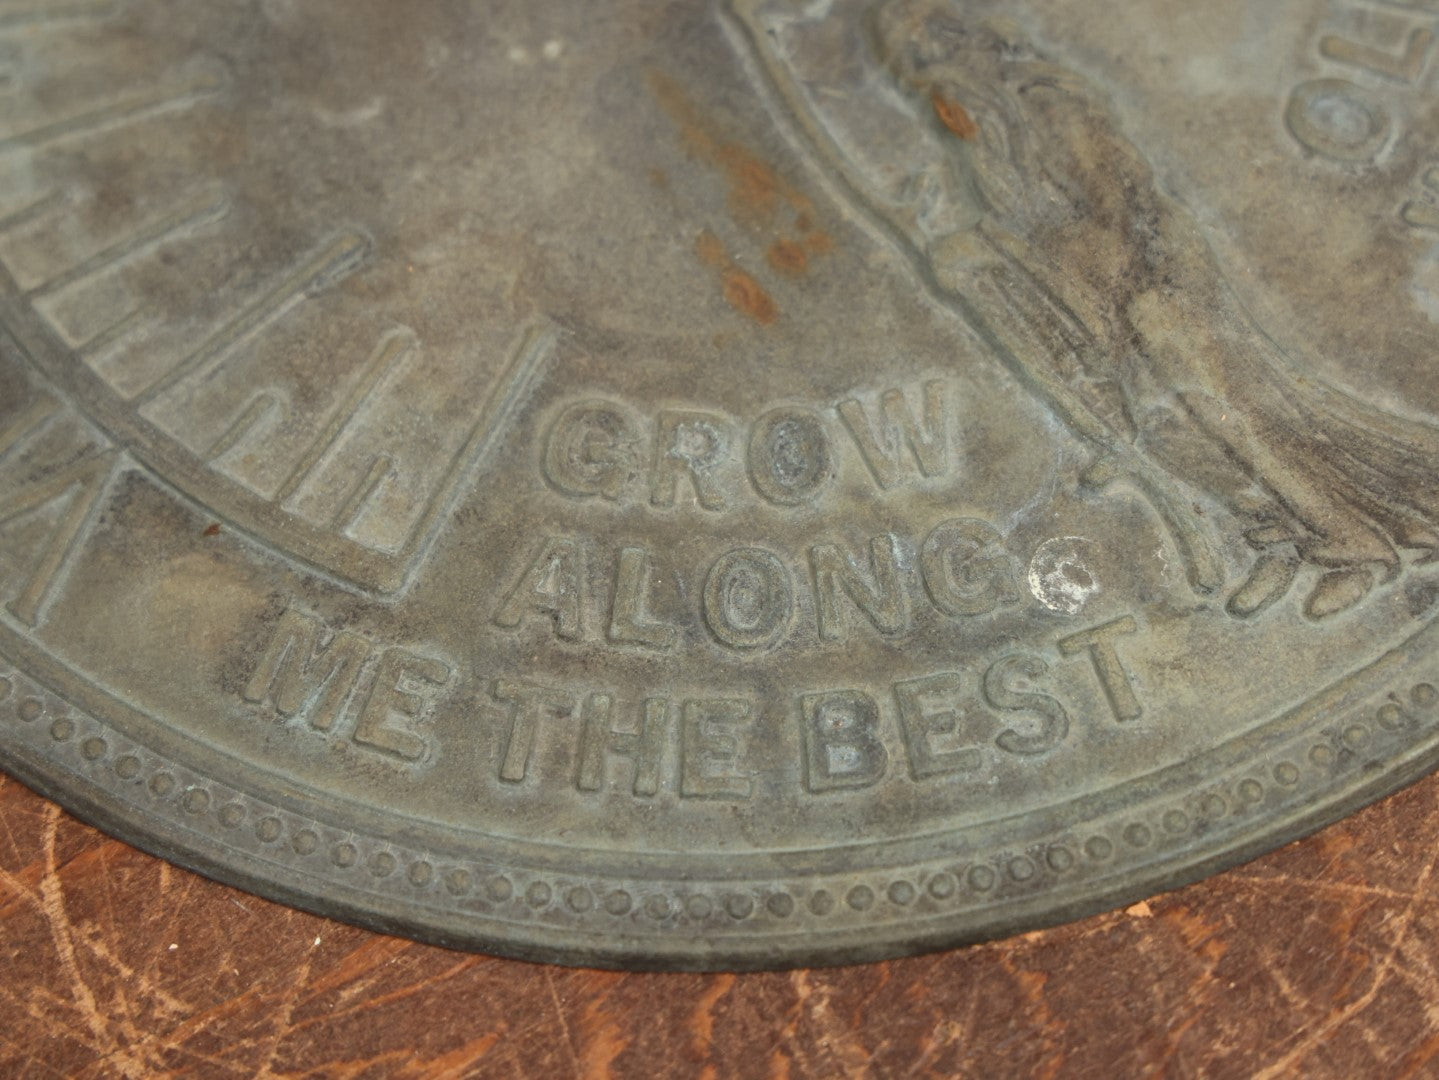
(137, 108)
(396, 346)
(332, 263)
(197, 210)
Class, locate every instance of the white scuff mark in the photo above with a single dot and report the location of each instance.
(1060, 576)
(348, 118)
(552, 49)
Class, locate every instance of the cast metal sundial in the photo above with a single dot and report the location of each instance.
(720, 483)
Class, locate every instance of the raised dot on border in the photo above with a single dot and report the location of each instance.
(1021, 868)
(30, 710)
(1250, 791)
(499, 889)
(1321, 755)
(162, 784)
(579, 899)
(980, 878)
(1391, 717)
(1356, 735)
(538, 894)
(861, 897)
(458, 882)
(231, 814)
(5, 687)
(127, 767)
(821, 903)
(781, 905)
(942, 885)
(269, 829)
(382, 864)
(1213, 806)
(739, 905)
(1423, 695)
(344, 855)
(657, 906)
(618, 902)
(420, 874)
(195, 801)
(901, 893)
(1059, 858)
(94, 748)
(305, 842)
(62, 729)
(1099, 847)
(1137, 835)
(1286, 773)
(1176, 821)
(699, 907)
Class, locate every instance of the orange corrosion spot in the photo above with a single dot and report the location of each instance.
(741, 292)
(747, 296)
(953, 115)
(710, 250)
(788, 257)
(213, 530)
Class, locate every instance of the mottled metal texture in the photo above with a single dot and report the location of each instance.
(730, 484)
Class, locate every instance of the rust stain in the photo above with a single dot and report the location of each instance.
(953, 115)
(213, 530)
(741, 291)
(759, 198)
(788, 257)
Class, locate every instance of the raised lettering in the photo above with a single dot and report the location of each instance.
(1115, 680)
(789, 456)
(400, 701)
(843, 749)
(528, 703)
(748, 599)
(549, 586)
(644, 748)
(629, 623)
(966, 568)
(935, 718)
(883, 444)
(304, 675)
(1404, 66)
(1003, 690)
(1337, 119)
(591, 449)
(692, 445)
(712, 745)
(879, 593)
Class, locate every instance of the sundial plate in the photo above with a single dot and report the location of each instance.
(728, 484)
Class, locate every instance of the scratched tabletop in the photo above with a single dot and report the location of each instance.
(1318, 960)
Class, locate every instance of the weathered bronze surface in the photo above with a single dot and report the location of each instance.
(725, 484)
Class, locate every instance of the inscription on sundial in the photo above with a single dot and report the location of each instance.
(734, 485)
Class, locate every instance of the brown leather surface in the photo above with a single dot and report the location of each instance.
(1320, 960)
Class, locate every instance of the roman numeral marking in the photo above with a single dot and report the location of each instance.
(77, 486)
(258, 408)
(395, 346)
(332, 263)
(193, 212)
(107, 116)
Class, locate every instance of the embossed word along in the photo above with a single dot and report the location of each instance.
(740, 484)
